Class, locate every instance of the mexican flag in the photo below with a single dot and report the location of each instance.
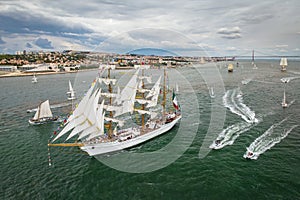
(175, 102)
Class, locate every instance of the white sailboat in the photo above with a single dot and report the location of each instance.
(230, 67)
(96, 125)
(283, 64)
(177, 87)
(211, 92)
(253, 63)
(34, 79)
(43, 114)
(71, 92)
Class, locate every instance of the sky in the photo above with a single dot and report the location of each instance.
(188, 28)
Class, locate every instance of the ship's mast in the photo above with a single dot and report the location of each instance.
(252, 57)
(164, 96)
(143, 105)
(110, 130)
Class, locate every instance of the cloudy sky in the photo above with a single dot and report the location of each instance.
(189, 27)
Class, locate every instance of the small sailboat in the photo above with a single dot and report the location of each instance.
(230, 67)
(283, 64)
(176, 88)
(43, 114)
(71, 92)
(284, 104)
(34, 79)
(253, 63)
(211, 92)
(96, 125)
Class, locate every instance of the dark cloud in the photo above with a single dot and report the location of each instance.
(1, 41)
(230, 33)
(28, 45)
(23, 22)
(43, 43)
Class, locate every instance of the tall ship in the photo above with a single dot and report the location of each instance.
(230, 67)
(97, 120)
(283, 64)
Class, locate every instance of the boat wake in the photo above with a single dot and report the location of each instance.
(233, 100)
(267, 140)
(59, 105)
(246, 81)
(229, 135)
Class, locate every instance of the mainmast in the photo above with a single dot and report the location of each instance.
(252, 57)
(110, 130)
(143, 97)
(164, 95)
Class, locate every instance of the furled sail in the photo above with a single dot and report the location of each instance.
(107, 81)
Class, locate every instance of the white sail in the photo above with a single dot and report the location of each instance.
(128, 96)
(71, 92)
(154, 93)
(176, 88)
(118, 100)
(283, 62)
(101, 131)
(96, 126)
(43, 111)
(36, 115)
(155, 89)
(82, 104)
(89, 113)
(34, 79)
(78, 116)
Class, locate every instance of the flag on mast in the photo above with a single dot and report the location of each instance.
(175, 102)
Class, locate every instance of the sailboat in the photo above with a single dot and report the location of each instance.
(283, 64)
(71, 92)
(230, 67)
(97, 127)
(34, 79)
(43, 114)
(211, 92)
(284, 104)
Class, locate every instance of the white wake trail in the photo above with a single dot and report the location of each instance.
(230, 134)
(266, 141)
(233, 100)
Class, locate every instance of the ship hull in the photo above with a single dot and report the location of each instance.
(109, 147)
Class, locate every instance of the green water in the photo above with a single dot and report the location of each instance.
(221, 174)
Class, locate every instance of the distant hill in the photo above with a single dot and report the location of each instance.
(152, 52)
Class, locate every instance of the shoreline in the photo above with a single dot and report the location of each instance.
(21, 74)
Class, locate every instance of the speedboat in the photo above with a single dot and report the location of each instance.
(216, 144)
(250, 155)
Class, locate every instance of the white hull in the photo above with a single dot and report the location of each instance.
(250, 155)
(108, 147)
(42, 121)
